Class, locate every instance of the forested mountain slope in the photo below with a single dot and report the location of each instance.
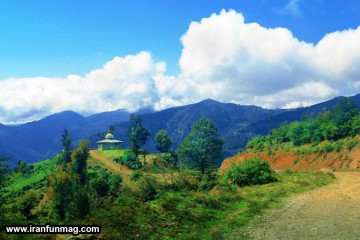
(237, 124)
(329, 141)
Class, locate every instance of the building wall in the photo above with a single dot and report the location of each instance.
(107, 146)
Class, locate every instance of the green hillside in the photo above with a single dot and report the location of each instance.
(159, 202)
(329, 141)
(332, 127)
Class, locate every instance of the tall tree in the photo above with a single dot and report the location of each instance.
(3, 177)
(61, 192)
(68, 188)
(137, 134)
(3, 172)
(67, 148)
(27, 203)
(4, 180)
(79, 160)
(202, 146)
(163, 141)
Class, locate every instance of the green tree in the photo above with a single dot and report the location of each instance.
(4, 180)
(27, 203)
(130, 160)
(22, 167)
(114, 181)
(163, 141)
(100, 186)
(79, 160)
(70, 199)
(355, 125)
(137, 134)
(61, 190)
(66, 142)
(202, 147)
(341, 116)
(3, 172)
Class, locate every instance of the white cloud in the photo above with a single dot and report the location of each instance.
(121, 83)
(223, 58)
(234, 61)
(292, 7)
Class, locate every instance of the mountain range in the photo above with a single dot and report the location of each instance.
(237, 124)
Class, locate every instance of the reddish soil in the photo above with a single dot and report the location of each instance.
(344, 160)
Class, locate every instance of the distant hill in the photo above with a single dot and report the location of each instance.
(233, 121)
(237, 124)
(38, 140)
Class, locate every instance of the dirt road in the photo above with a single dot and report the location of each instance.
(331, 212)
(117, 167)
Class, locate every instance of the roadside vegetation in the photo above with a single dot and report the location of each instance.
(171, 195)
(335, 130)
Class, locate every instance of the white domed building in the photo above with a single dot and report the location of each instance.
(109, 142)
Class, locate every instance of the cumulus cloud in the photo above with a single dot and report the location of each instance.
(121, 83)
(240, 62)
(223, 58)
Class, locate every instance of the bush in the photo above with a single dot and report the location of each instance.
(327, 147)
(256, 143)
(170, 158)
(100, 186)
(114, 181)
(166, 160)
(130, 160)
(209, 201)
(351, 144)
(185, 180)
(338, 146)
(136, 175)
(147, 188)
(249, 172)
(208, 181)
(27, 203)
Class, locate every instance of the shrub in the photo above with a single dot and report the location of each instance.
(130, 160)
(249, 172)
(115, 181)
(351, 144)
(209, 201)
(147, 188)
(328, 147)
(165, 160)
(100, 186)
(170, 158)
(136, 175)
(28, 202)
(185, 180)
(256, 143)
(208, 181)
(338, 146)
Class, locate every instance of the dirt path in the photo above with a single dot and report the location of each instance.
(117, 167)
(331, 212)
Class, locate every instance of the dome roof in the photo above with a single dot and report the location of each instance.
(109, 136)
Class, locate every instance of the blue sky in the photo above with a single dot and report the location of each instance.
(57, 38)
(42, 43)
